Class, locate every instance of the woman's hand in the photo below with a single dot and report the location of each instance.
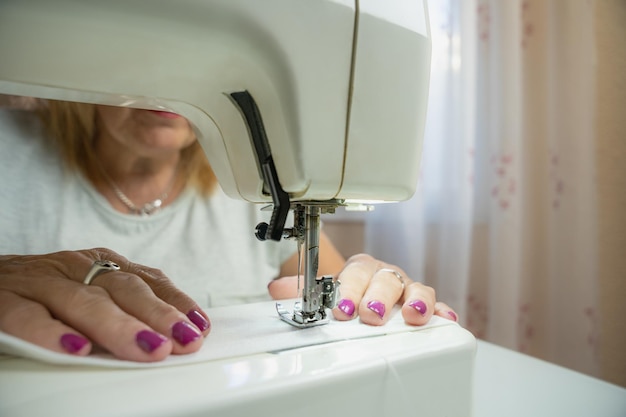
(135, 313)
(369, 288)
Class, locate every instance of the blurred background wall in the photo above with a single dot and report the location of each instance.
(610, 24)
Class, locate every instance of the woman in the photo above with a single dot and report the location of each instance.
(136, 183)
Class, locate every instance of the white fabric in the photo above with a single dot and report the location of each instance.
(231, 336)
(206, 246)
(503, 224)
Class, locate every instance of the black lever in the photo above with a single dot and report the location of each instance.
(254, 121)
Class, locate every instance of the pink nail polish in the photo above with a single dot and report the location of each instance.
(149, 341)
(419, 305)
(199, 320)
(377, 307)
(73, 342)
(184, 333)
(347, 306)
(454, 317)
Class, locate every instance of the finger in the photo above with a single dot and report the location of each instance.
(165, 289)
(91, 311)
(355, 278)
(31, 321)
(443, 310)
(159, 283)
(383, 292)
(419, 304)
(136, 297)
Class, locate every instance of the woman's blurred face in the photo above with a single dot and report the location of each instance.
(147, 133)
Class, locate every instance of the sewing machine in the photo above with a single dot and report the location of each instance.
(306, 105)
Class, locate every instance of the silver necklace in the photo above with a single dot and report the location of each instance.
(148, 208)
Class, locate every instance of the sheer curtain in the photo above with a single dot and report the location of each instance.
(503, 224)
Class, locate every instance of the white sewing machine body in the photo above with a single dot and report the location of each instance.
(341, 85)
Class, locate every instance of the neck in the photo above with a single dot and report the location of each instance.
(137, 184)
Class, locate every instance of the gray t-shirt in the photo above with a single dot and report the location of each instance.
(205, 245)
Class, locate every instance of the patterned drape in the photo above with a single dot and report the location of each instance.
(503, 224)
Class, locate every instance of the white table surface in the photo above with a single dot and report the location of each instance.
(508, 383)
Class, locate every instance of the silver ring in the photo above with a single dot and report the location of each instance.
(99, 267)
(396, 273)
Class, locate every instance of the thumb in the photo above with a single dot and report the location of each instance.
(284, 287)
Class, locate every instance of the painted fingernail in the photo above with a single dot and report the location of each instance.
(184, 333)
(453, 315)
(347, 306)
(377, 307)
(73, 342)
(419, 305)
(199, 320)
(149, 341)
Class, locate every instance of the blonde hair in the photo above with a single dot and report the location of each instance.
(72, 127)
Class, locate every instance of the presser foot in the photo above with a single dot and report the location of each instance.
(299, 319)
(322, 295)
